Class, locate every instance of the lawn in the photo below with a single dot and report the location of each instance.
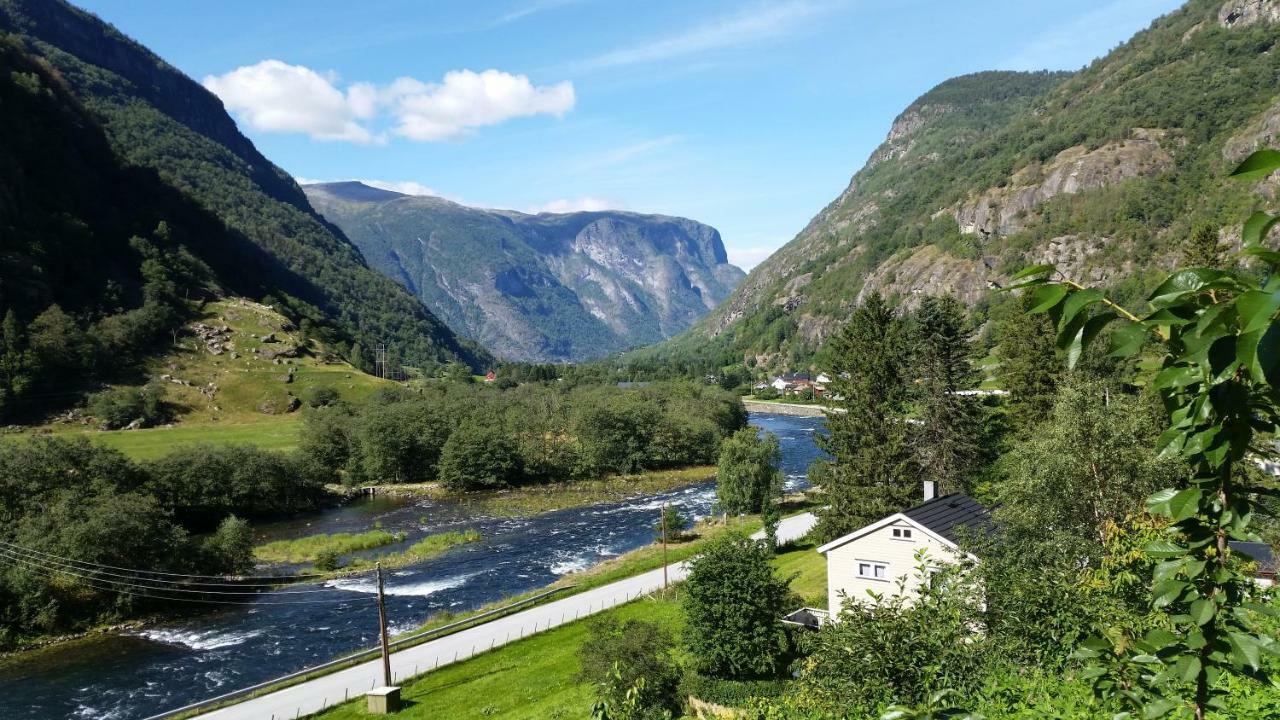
(270, 433)
(537, 677)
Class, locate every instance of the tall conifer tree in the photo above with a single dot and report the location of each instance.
(872, 471)
(949, 440)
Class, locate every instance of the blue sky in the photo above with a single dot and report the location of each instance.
(749, 116)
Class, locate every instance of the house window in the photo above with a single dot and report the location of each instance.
(873, 570)
(901, 533)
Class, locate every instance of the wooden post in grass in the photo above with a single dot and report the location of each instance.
(382, 628)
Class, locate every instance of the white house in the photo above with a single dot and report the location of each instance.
(877, 556)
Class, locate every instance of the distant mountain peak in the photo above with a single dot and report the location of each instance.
(354, 191)
(546, 287)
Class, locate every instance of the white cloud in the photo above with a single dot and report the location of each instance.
(467, 100)
(273, 96)
(1073, 44)
(760, 22)
(747, 258)
(571, 205)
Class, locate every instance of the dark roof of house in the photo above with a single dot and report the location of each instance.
(1261, 552)
(946, 516)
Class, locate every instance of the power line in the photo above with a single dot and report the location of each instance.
(166, 585)
(117, 586)
(177, 575)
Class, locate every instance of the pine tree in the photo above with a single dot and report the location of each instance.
(872, 471)
(1202, 249)
(949, 440)
(1028, 368)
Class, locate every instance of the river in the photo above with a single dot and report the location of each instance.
(137, 674)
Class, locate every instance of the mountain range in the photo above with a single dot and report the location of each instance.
(542, 288)
(115, 141)
(1103, 172)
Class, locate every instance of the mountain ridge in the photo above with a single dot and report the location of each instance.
(156, 117)
(538, 287)
(1102, 171)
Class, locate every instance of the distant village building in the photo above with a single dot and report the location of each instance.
(490, 376)
(798, 383)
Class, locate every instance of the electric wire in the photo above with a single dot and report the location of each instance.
(180, 575)
(165, 585)
(117, 586)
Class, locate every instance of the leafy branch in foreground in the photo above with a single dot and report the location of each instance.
(1219, 379)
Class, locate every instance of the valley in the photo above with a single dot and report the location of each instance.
(993, 433)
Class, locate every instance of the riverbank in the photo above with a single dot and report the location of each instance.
(536, 499)
(784, 408)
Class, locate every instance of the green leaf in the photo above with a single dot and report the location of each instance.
(1183, 282)
(1164, 549)
(1032, 271)
(1184, 504)
(1255, 309)
(1257, 227)
(1246, 649)
(1127, 339)
(1269, 355)
(1158, 501)
(1158, 708)
(1047, 296)
(1202, 611)
(1078, 301)
(1258, 165)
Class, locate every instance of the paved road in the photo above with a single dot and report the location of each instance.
(316, 695)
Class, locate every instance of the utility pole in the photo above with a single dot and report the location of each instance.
(664, 547)
(382, 627)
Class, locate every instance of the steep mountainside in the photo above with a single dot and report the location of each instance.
(545, 287)
(269, 243)
(1098, 171)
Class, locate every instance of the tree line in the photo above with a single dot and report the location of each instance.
(472, 437)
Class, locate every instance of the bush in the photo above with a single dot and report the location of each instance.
(478, 456)
(617, 655)
(230, 548)
(676, 523)
(327, 560)
(119, 407)
(322, 396)
(734, 604)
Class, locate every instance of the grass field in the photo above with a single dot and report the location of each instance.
(537, 677)
(269, 433)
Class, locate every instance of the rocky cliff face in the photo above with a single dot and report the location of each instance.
(1008, 209)
(1102, 172)
(547, 287)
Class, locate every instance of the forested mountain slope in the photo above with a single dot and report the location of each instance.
(546, 287)
(1095, 171)
(254, 228)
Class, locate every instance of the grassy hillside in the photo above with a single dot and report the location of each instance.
(128, 193)
(1101, 172)
(242, 395)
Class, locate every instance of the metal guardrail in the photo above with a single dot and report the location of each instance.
(354, 658)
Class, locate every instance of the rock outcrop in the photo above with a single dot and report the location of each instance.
(1006, 210)
(1243, 13)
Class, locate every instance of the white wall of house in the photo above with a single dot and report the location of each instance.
(876, 560)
